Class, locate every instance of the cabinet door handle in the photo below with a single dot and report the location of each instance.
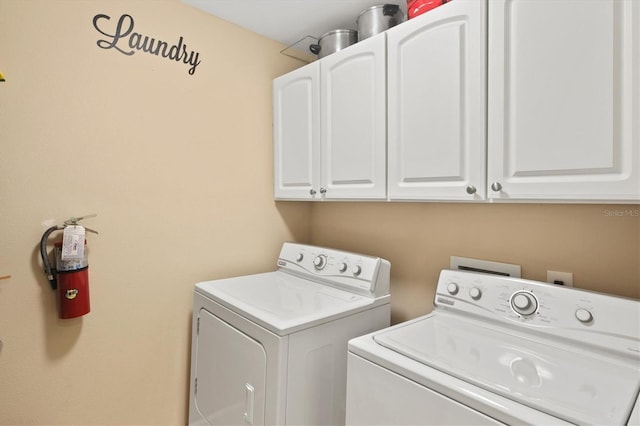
(471, 189)
(323, 191)
(312, 191)
(495, 186)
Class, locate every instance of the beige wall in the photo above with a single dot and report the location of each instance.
(600, 244)
(178, 169)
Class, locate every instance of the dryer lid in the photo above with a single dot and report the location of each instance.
(572, 383)
(284, 303)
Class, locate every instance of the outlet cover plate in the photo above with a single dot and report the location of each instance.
(565, 277)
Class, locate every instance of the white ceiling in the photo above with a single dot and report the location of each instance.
(289, 21)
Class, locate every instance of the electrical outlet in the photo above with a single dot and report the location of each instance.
(560, 278)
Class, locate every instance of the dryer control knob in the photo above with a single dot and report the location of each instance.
(320, 262)
(452, 288)
(342, 267)
(584, 316)
(299, 257)
(357, 269)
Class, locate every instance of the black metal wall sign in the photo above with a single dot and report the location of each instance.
(123, 39)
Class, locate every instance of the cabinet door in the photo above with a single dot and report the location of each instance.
(296, 133)
(564, 100)
(353, 95)
(437, 98)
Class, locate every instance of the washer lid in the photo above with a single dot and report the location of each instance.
(569, 382)
(283, 303)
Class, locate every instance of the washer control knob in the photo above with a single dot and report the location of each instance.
(357, 269)
(475, 293)
(524, 303)
(584, 316)
(521, 302)
(453, 288)
(342, 267)
(320, 262)
(299, 257)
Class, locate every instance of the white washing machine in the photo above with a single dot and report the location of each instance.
(271, 348)
(500, 350)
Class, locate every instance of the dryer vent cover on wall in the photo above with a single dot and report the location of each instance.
(485, 266)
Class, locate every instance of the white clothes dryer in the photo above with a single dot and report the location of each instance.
(500, 350)
(271, 348)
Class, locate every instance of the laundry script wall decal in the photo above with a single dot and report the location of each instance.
(123, 39)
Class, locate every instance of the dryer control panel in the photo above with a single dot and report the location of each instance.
(354, 272)
(599, 319)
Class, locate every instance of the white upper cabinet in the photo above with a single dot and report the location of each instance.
(353, 121)
(437, 104)
(515, 100)
(296, 130)
(329, 120)
(564, 100)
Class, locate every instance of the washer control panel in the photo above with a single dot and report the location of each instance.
(351, 271)
(597, 318)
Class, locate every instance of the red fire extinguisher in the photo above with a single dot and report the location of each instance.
(70, 277)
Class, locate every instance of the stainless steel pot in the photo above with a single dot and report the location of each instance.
(376, 19)
(333, 41)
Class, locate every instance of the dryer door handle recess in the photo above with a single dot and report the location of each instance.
(248, 403)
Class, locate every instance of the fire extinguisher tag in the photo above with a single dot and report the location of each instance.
(73, 243)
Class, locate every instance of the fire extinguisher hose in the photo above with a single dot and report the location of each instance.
(51, 272)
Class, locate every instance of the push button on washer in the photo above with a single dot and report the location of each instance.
(584, 316)
(453, 288)
(475, 293)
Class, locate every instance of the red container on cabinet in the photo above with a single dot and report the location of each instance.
(418, 7)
